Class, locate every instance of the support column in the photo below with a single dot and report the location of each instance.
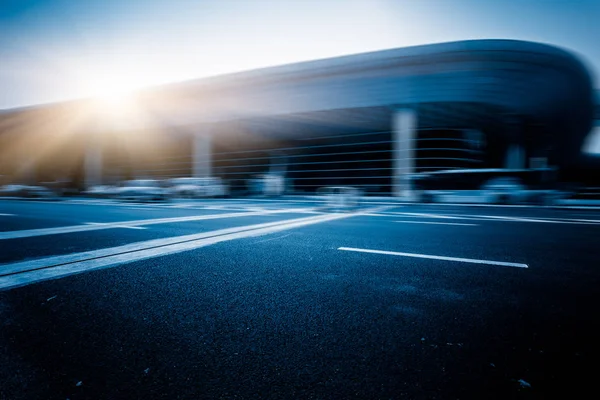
(201, 157)
(404, 132)
(93, 160)
(26, 173)
(515, 156)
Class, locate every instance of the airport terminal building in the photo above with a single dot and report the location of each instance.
(370, 120)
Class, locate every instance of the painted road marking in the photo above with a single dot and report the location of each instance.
(435, 223)
(443, 258)
(23, 273)
(183, 205)
(538, 220)
(141, 222)
(425, 215)
(489, 218)
(591, 221)
(116, 226)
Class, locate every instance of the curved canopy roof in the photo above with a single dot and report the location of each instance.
(542, 84)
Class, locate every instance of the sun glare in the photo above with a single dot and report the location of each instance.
(118, 108)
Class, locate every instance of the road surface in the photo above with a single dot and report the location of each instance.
(281, 299)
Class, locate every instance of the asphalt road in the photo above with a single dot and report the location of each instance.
(255, 299)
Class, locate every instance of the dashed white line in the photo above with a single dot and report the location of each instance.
(537, 220)
(432, 257)
(435, 223)
(490, 218)
(426, 215)
(116, 226)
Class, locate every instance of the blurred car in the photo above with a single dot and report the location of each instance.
(267, 184)
(340, 197)
(103, 191)
(504, 190)
(26, 191)
(142, 190)
(196, 187)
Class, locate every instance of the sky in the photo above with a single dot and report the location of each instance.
(53, 50)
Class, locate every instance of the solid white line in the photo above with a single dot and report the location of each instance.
(435, 223)
(116, 226)
(502, 218)
(592, 221)
(26, 272)
(443, 258)
(86, 228)
(538, 220)
(425, 215)
(480, 205)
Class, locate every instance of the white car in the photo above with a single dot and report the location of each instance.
(141, 189)
(26, 191)
(504, 190)
(102, 191)
(340, 197)
(197, 187)
(267, 185)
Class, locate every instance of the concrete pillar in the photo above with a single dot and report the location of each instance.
(93, 160)
(201, 157)
(404, 132)
(515, 156)
(26, 173)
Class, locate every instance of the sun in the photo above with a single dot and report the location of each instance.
(118, 108)
(113, 89)
(115, 101)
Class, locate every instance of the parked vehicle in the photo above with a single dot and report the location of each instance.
(340, 197)
(492, 185)
(142, 189)
(197, 187)
(267, 185)
(26, 191)
(102, 191)
(504, 190)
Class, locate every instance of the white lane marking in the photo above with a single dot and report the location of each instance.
(482, 205)
(148, 208)
(435, 223)
(6, 215)
(593, 221)
(443, 258)
(130, 248)
(23, 273)
(538, 220)
(116, 226)
(85, 228)
(499, 218)
(184, 205)
(425, 215)
(215, 207)
(578, 207)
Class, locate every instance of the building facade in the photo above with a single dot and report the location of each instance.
(370, 120)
